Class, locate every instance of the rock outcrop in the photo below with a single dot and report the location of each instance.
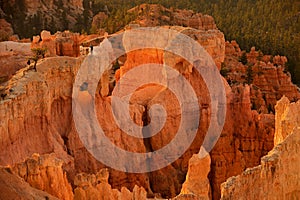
(13, 56)
(206, 32)
(287, 119)
(279, 173)
(39, 103)
(45, 173)
(48, 127)
(157, 15)
(59, 44)
(91, 186)
(249, 134)
(246, 137)
(267, 76)
(13, 187)
(197, 182)
(5, 30)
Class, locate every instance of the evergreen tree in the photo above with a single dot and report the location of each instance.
(243, 59)
(249, 75)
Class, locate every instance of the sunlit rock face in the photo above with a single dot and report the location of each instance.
(60, 44)
(278, 174)
(36, 117)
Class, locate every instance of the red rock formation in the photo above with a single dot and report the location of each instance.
(54, 80)
(5, 30)
(287, 119)
(268, 79)
(206, 34)
(197, 181)
(45, 173)
(55, 77)
(157, 15)
(91, 186)
(37, 119)
(14, 187)
(61, 44)
(13, 56)
(278, 174)
(245, 138)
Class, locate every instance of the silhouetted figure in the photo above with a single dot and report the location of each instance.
(92, 48)
(28, 62)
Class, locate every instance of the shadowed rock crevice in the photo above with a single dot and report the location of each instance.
(36, 118)
(146, 120)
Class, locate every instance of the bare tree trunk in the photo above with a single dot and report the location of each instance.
(34, 66)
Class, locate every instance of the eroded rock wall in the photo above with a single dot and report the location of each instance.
(267, 76)
(287, 119)
(157, 15)
(41, 101)
(245, 138)
(60, 44)
(37, 119)
(14, 187)
(45, 173)
(96, 186)
(279, 173)
(197, 182)
(27, 116)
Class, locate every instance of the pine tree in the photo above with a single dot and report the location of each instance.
(243, 59)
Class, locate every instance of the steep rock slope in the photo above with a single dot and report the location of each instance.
(29, 16)
(279, 173)
(42, 104)
(13, 56)
(45, 173)
(13, 187)
(28, 123)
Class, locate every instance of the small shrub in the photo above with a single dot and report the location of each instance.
(38, 54)
(224, 70)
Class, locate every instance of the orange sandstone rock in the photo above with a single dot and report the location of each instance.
(197, 181)
(6, 30)
(279, 172)
(61, 44)
(287, 119)
(45, 173)
(14, 187)
(91, 186)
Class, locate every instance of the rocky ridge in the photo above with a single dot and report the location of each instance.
(157, 15)
(266, 75)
